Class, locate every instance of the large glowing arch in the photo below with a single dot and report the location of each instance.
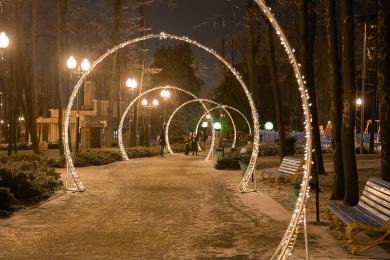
(201, 100)
(120, 128)
(162, 36)
(298, 217)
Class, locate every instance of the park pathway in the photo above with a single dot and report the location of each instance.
(175, 207)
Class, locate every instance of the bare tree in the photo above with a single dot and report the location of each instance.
(351, 196)
(276, 90)
(384, 84)
(336, 98)
(307, 25)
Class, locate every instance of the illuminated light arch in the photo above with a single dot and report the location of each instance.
(161, 36)
(201, 100)
(121, 122)
(283, 251)
(179, 108)
(226, 107)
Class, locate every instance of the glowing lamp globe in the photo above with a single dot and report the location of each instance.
(359, 101)
(205, 124)
(217, 126)
(155, 102)
(165, 93)
(208, 116)
(144, 102)
(131, 83)
(85, 65)
(269, 126)
(4, 40)
(71, 63)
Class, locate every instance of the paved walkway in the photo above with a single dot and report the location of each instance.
(175, 207)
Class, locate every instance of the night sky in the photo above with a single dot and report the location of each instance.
(204, 21)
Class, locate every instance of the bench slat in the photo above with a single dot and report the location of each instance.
(383, 205)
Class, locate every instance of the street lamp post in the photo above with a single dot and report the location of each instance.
(1, 116)
(131, 84)
(77, 72)
(4, 42)
(359, 103)
(149, 106)
(165, 94)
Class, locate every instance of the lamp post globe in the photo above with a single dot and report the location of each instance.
(217, 126)
(85, 65)
(205, 124)
(4, 40)
(359, 101)
(155, 102)
(71, 63)
(144, 102)
(131, 83)
(269, 126)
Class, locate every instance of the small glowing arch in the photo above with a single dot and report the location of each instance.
(178, 109)
(120, 128)
(226, 107)
(196, 131)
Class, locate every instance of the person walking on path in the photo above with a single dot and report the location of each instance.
(162, 141)
(186, 144)
(194, 143)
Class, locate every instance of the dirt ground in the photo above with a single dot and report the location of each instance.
(176, 207)
(157, 208)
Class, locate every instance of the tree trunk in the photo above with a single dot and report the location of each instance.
(307, 34)
(32, 97)
(59, 75)
(276, 91)
(384, 84)
(141, 83)
(336, 98)
(114, 79)
(351, 196)
(13, 88)
(250, 50)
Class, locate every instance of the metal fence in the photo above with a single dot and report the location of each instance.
(270, 136)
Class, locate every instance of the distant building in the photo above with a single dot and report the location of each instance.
(93, 121)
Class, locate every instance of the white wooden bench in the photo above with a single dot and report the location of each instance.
(371, 214)
(288, 171)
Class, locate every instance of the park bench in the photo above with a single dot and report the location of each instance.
(288, 171)
(371, 214)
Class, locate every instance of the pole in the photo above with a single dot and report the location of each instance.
(363, 89)
(164, 114)
(77, 150)
(1, 114)
(150, 109)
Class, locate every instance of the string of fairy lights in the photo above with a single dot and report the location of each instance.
(207, 113)
(203, 100)
(284, 249)
(226, 107)
(121, 122)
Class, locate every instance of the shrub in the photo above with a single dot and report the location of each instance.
(29, 181)
(268, 149)
(7, 200)
(228, 163)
